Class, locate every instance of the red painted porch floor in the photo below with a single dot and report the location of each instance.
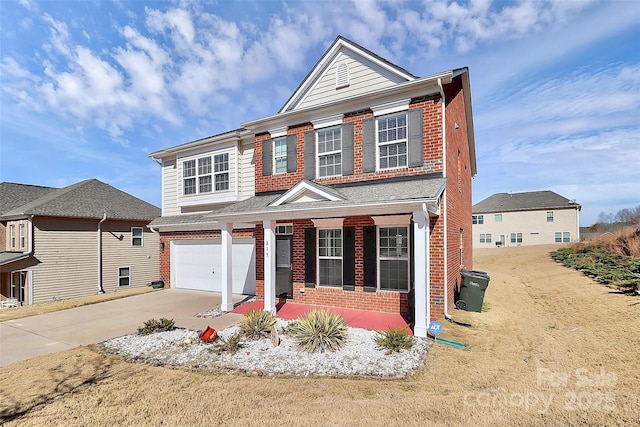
(355, 318)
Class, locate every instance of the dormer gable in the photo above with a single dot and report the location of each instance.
(307, 191)
(344, 71)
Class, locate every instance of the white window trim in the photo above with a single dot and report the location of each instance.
(341, 257)
(119, 276)
(214, 173)
(392, 220)
(12, 236)
(379, 258)
(285, 233)
(278, 132)
(397, 141)
(328, 222)
(561, 236)
(328, 153)
(134, 237)
(325, 122)
(22, 236)
(233, 159)
(391, 107)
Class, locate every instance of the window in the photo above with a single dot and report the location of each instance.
(549, 216)
(477, 219)
(497, 217)
(392, 141)
(22, 236)
(330, 257)
(136, 236)
(188, 175)
(280, 155)
(393, 258)
(485, 238)
(329, 152)
(124, 277)
(563, 237)
(516, 237)
(284, 229)
(221, 169)
(12, 234)
(204, 175)
(18, 282)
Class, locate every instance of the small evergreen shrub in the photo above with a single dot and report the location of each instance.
(151, 326)
(319, 330)
(256, 324)
(394, 339)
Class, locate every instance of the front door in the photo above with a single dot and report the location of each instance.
(284, 267)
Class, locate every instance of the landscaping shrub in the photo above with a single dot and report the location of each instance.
(153, 325)
(256, 324)
(230, 344)
(394, 339)
(611, 261)
(319, 330)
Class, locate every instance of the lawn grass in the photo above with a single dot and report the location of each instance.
(51, 306)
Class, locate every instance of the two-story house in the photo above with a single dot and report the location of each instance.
(522, 219)
(58, 243)
(362, 192)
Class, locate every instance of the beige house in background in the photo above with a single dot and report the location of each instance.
(531, 218)
(58, 243)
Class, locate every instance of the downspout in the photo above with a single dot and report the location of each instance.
(446, 205)
(100, 288)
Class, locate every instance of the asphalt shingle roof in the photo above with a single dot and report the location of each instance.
(13, 195)
(87, 199)
(503, 202)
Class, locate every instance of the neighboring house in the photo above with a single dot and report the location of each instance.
(58, 243)
(532, 218)
(361, 198)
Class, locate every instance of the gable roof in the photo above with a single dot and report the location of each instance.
(86, 199)
(342, 45)
(533, 200)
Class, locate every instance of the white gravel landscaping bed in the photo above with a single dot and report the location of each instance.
(183, 348)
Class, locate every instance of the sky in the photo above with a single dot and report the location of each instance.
(89, 88)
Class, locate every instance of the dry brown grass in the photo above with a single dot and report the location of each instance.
(51, 306)
(549, 329)
(625, 243)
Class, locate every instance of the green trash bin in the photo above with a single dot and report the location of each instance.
(474, 284)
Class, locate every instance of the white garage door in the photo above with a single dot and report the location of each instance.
(197, 264)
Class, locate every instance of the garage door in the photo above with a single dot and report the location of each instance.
(197, 264)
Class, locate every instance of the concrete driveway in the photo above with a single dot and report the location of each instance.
(33, 336)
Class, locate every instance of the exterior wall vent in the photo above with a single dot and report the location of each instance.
(342, 75)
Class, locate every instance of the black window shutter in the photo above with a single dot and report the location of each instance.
(415, 149)
(310, 257)
(368, 145)
(349, 259)
(267, 157)
(292, 142)
(370, 255)
(347, 149)
(310, 155)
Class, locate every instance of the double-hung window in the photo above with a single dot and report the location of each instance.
(280, 155)
(22, 236)
(516, 237)
(204, 175)
(549, 216)
(477, 219)
(485, 238)
(497, 217)
(221, 170)
(562, 237)
(330, 257)
(393, 258)
(329, 152)
(136, 236)
(392, 141)
(124, 276)
(189, 177)
(12, 234)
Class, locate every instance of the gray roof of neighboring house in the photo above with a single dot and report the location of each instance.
(417, 188)
(503, 202)
(13, 195)
(86, 199)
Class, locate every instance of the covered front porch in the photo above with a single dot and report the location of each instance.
(362, 248)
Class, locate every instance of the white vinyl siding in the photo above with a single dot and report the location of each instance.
(169, 188)
(363, 78)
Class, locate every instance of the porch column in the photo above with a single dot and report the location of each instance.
(269, 265)
(422, 273)
(227, 273)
